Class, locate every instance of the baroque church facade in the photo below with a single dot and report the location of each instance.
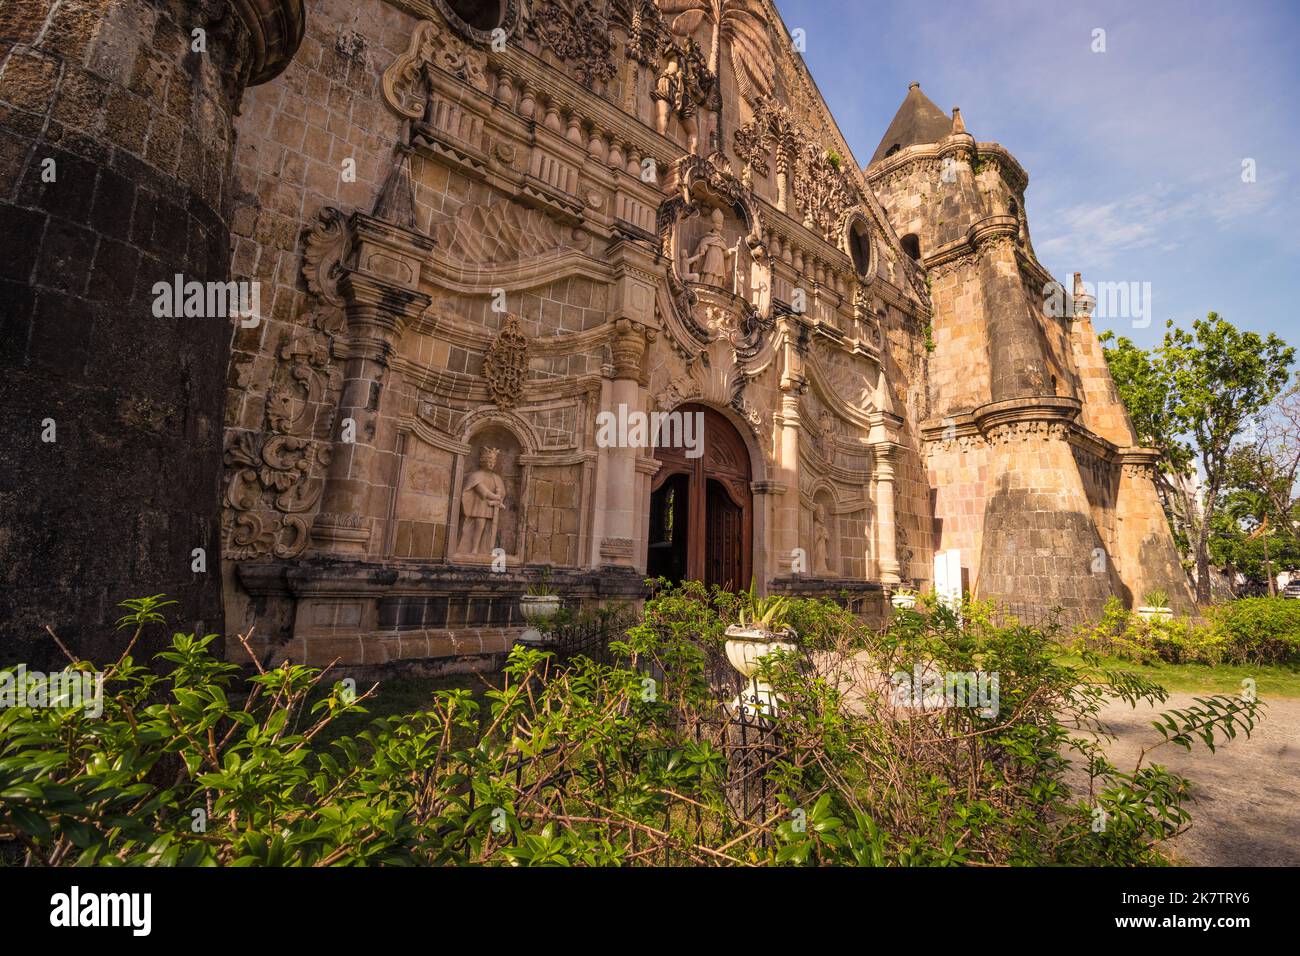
(482, 227)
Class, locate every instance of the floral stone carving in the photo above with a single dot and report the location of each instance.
(506, 364)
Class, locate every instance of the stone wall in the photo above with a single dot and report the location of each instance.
(115, 139)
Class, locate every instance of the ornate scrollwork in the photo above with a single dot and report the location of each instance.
(404, 81)
(506, 364)
(325, 245)
(276, 475)
(1024, 431)
(581, 36)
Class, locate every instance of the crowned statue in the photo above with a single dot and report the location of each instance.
(481, 501)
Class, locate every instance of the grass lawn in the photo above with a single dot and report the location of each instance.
(1273, 680)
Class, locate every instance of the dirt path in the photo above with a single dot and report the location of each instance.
(1246, 797)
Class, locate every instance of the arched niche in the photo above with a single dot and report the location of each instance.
(824, 537)
(490, 493)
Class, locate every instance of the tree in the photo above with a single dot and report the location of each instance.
(1144, 386)
(1191, 399)
(1275, 458)
(742, 24)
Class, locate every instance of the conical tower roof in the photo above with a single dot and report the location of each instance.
(918, 120)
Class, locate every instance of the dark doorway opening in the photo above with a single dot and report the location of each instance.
(701, 509)
(670, 512)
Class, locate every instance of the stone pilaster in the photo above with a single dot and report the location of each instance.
(890, 571)
(622, 519)
(381, 298)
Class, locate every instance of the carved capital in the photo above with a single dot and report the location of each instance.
(628, 347)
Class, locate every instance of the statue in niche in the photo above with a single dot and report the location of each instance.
(760, 280)
(480, 505)
(821, 542)
(678, 91)
(715, 255)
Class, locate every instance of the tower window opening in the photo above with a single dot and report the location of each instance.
(912, 246)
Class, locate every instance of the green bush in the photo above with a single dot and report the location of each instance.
(1249, 631)
(1264, 630)
(192, 763)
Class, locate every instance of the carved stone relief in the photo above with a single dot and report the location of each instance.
(276, 476)
(506, 364)
(488, 497)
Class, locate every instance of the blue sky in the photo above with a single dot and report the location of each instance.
(1134, 155)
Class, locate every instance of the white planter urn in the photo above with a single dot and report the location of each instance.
(1156, 613)
(903, 600)
(537, 610)
(539, 607)
(746, 647)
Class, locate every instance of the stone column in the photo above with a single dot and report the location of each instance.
(628, 348)
(785, 535)
(886, 532)
(115, 145)
(381, 298)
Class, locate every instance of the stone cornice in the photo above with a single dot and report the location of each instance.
(1019, 179)
(275, 29)
(1047, 408)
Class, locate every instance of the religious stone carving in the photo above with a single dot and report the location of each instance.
(714, 255)
(680, 89)
(821, 541)
(743, 25)
(581, 35)
(506, 364)
(480, 505)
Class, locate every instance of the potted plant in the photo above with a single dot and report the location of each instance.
(904, 599)
(761, 630)
(1155, 606)
(540, 604)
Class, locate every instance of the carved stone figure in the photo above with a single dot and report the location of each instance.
(821, 541)
(715, 255)
(673, 99)
(480, 504)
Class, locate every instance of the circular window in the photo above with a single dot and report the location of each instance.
(478, 19)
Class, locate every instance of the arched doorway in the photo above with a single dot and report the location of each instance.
(702, 509)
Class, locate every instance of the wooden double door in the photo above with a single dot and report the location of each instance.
(702, 509)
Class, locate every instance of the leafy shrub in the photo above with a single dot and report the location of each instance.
(1248, 631)
(602, 764)
(1265, 630)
